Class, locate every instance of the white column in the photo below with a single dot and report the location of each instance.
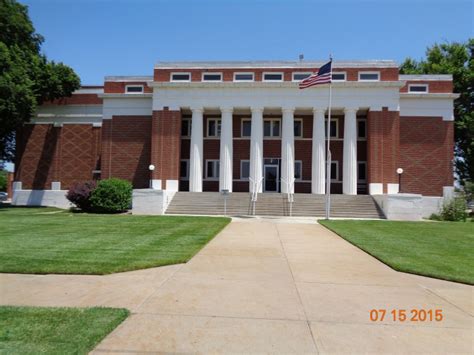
(349, 170)
(287, 150)
(318, 166)
(195, 168)
(225, 173)
(256, 149)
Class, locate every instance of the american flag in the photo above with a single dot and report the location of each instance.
(323, 76)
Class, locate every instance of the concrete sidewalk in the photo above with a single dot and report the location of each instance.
(265, 286)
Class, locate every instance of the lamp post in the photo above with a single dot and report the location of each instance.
(399, 172)
(151, 167)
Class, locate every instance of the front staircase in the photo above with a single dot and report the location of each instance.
(273, 204)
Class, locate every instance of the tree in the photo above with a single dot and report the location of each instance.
(456, 59)
(27, 77)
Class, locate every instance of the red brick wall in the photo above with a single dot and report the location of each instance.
(426, 154)
(163, 75)
(165, 145)
(77, 99)
(46, 154)
(433, 86)
(383, 139)
(126, 149)
(118, 87)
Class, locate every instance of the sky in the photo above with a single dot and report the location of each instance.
(127, 37)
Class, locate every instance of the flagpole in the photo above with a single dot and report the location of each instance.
(328, 153)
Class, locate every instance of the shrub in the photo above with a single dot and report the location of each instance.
(3, 180)
(80, 193)
(111, 196)
(454, 209)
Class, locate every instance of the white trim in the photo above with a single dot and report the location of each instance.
(184, 178)
(271, 120)
(299, 72)
(368, 72)
(212, 73)
(270, 84)
(215, 162)
(272, 73)
(426, 86)
(180, 73)
(362, 180)
(339, 80)
(301, 163)
(300, 120)
(244, 73)
(427, 77)
(242, 128)
(337, 171)
(125, 78)
(134, 86)
(241, 177)
(375, 188)
(218, 121)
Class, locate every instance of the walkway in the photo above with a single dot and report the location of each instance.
(265, 286)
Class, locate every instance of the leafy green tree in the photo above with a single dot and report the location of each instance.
(456, 59)
(3, 180)
(27, 77)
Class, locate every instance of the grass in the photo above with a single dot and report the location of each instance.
(442, 250)
(36, 330)
(48, 240)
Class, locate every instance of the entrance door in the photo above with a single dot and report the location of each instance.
(271, 178)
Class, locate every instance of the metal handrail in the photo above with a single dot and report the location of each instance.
(254, 194)
(290, 195)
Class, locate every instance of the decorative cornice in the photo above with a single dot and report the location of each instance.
(266, 84)
(429, 96)
(125, 96)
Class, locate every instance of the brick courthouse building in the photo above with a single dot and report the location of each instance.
(244, 126)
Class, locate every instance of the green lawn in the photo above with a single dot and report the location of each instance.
(443, 250)
(35, 330)
(48, 240)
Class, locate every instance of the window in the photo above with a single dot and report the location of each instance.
(186, 127)
(298, 169)
(212, 169)
(214, 128)
(246, 130)
(418, 88)
(362, 128)
(298, 127)
(334, 171)
(369, 76)
(184, 169)
(211, 76)
(134, 89)
(244, 169)
(361, 171)
(243, 77)
(300, 76)
(333, 129)
(271, 128)
(180, 76)
(339, 76)
(272, 76)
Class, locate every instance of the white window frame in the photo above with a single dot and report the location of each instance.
(241, 163)
(134, 86)
(214, 163)
(362, 138)
(337, 127)
(211, 73)
(218, 122)
(365, 164)
(242, 127)
(273, 73)
(299, 72)
(245, 73)
(418, 92)
(180, 73)
(300, 120)
(189, 127)
(339, 72)
(271, 128)
(337, 171)
(185, 178)
(369, 72)
(301, 163)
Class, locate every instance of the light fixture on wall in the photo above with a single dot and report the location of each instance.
(399, 172)
(151, 167)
